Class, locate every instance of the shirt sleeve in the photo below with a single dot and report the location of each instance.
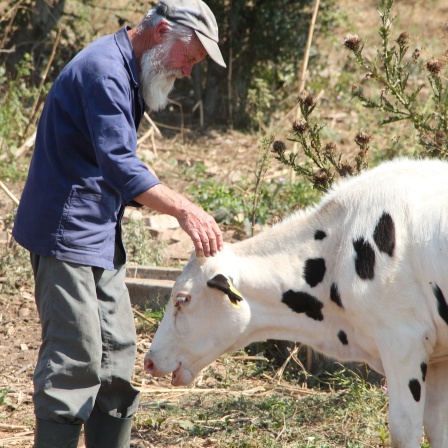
(109, 105)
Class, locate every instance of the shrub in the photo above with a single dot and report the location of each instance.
(392, 86)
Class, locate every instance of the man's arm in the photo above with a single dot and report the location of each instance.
(199, 225)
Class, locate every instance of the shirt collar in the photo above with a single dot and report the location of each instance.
(125, 47)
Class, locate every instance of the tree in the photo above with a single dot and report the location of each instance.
(30, 29)
(262, 42)
(259, 39)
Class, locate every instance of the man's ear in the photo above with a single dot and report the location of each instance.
(225, 285)
(160, 31)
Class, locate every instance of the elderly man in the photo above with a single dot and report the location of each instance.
(83, 173)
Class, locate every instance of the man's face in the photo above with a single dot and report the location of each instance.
(163, 64)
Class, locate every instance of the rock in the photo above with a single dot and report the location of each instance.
(4, 237)
(235, 176)
(162, 222)
(27, 296)
(131, 214)
(179, 235)
(24, 312)
(179, 251)
(163, 235)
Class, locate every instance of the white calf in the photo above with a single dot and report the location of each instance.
(362, 276)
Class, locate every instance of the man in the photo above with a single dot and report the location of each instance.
(83, 173)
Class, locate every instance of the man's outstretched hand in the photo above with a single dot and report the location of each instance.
(200, 226)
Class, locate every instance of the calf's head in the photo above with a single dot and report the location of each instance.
(204, 318)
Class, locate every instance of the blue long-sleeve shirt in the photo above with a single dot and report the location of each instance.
(84, 168)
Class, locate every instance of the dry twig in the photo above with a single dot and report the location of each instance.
(42, 81)
(21, 437)
(306, 57)
(23, 369)
(148, 319)
(293, 356)
(12, 427)
(164, 390)
(26, 146)
(8, 192)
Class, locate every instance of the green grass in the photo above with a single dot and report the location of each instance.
(141, 247)
(232, 204)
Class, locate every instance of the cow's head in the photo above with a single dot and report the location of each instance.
(204, 318)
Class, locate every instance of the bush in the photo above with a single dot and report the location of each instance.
(392, 86)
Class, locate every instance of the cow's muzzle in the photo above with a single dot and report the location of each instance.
(181, 376)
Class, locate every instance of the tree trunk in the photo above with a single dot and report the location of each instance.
(215, 75)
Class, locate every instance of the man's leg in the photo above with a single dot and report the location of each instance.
(109, 425)
(49, 434)
(67, 374)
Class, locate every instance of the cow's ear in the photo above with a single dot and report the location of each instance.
(225, 285)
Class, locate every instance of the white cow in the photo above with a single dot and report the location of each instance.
(362, 276)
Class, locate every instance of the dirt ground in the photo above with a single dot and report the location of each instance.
(226, 156)
(19, 322)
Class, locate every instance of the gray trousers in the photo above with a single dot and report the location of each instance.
(88, 341)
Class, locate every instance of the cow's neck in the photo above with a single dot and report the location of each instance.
(281, 261)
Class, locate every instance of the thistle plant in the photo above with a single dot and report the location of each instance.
(399, 98)
(322, 161)
(260, 172)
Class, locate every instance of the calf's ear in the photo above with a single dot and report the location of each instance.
(225, 285)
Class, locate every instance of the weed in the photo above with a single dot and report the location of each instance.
(16, 98)
(260, 171)
(5, 402)
(15, 264)
(155, 423)
(149, 321)
(398, 98)
(141, 248)
(3, 394)
(248, 202)
(228, 203)
(156, 315)
(322, 162)
(397, 94)
(259, 102)
(353, 417)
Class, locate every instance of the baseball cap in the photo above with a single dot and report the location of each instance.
(196, 15)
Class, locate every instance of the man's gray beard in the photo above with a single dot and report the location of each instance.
(156, 81)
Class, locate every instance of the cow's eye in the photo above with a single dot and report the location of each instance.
(182, 300)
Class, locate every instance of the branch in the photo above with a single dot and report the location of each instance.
(8, 192)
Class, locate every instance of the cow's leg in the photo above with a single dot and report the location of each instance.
(436, 405)
(404, 366)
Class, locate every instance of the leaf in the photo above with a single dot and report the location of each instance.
(3, 394)
(187, 424)
(414, 94)
(392, 120)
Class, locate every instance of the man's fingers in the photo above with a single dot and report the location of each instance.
(204, 232)
(205, 244)
(212, 245)
(197, 243)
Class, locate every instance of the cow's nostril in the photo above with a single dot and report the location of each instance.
(149, 366)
